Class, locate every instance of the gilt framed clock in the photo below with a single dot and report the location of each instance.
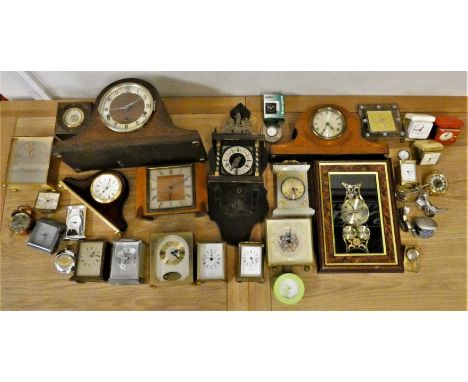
(356, 217)
(162, 190)
(129, 127)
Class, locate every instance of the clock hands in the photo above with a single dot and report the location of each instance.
(126, 107)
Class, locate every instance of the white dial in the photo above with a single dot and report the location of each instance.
(446, 136)
(237, 160)
(289, 288)
(328, 123)
(408, 172)
(272, 131)
(47, 200)
(211, 262)
(106, 188)
(126, 107)
(127, 258)
(251, 261)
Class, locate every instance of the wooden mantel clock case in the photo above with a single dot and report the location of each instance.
(129, 127)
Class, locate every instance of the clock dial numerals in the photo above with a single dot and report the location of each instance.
(251, 261)
(127, 258)
(172, 252)
(237, 160)
(47, 200)
(89, 259)
(211, 259)
(408, 172)
(106, 188)
(354, 212)
(328, 123)
(293, 188)
(73, 117)
(288, 241)
(170, 187)
(126, 107)
(211, 265)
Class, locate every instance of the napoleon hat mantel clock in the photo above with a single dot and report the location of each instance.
(236, 194)
(129, 127)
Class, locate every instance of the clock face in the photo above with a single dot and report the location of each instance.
(328, 123)
(438, 183)
(211, 264)
(408, 172)
(429, 158)
(126, 258)
(44, 235)
(73, 117)
(126, 107)
(354, 212)
(293, 188)
(29, 160)
(170, 187)
(20, 222)
(381, 121)
(47, 200)
(65, 261)
(289, 288)
(272, 131)
(106, 188)
(446, 136)
(90, 258)
(172, 250)
(237, 160)
(251, 264)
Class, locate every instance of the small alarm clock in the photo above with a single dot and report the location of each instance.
(418, 126)
(447, 129)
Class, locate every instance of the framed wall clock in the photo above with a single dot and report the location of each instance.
(289, 242)
(236, 193)
(328, 130)
(357, 217)
(380, 121)
(104, 193)
(30, 165)
(129, 127)
(162, 190)
(171, 258)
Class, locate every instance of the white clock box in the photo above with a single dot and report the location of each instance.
(418, 126)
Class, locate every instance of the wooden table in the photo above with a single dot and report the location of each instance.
(29, 281)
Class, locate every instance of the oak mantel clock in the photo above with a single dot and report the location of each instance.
(236, 194)
(129, 127)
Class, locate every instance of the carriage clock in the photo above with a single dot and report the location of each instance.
(236, 194)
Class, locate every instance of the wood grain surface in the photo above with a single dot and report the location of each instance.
(29, 281)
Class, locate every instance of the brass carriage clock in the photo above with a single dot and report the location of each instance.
(236, 194)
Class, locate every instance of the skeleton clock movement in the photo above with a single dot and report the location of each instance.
(129, 127)
(236, 193)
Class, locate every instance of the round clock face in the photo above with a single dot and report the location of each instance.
(73, 117)
(446, 136)
(126, 107)
(126, 258)
(272, 131)
(328, 123)
(438, 183)
(106, 188)
(172, 250)
(292, 188)
(237, 160)
(20, 222)
(354, 212)
(403, 155)
(412, 254)
(65, 262)
(289, 288)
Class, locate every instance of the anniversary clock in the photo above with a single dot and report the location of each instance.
(128, 127)
(236, 194)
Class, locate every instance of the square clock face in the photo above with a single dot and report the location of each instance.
(170, 187)
(381, 121)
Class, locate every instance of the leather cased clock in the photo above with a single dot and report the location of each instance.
(236, 193)
(129, 127)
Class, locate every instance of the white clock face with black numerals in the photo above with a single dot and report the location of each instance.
(251, 261)
(211, 264)
(237, 160)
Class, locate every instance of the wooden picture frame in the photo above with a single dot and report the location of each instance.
(383, 246)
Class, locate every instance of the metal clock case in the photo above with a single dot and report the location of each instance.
(250, 262)
(127, 262)
(428, 151)
(211, 262)
(129, 127)
(93, 261)
(406, 172)
(171, 259)
(437, 183)
(380, 121)
(72, 118)
(162, 190)
(289, 242)
(30, 166)
(356, 217)
(236, 192)
(22, 220)
(104, 193)
(292, 189)
(46, 235)
(65, 261)
(76, 222)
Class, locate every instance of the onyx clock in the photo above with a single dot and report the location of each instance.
(236, 194)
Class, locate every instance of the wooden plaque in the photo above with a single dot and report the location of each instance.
(349, 143)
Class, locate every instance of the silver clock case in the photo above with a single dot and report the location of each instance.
(127, 262)
(286, 207)
(273, 132)
(76, 221)
(46, 235)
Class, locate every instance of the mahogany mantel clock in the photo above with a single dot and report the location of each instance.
(236, 194)
(129, 127)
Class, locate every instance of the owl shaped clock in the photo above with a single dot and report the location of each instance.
(236, 193)
(128, 127)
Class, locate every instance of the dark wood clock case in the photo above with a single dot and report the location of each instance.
(97, 147)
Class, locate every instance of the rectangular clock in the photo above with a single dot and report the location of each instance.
(357, 218)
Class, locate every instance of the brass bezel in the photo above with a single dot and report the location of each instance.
(241, 278)
(224, 280)
(329, 108)
(104, 201)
